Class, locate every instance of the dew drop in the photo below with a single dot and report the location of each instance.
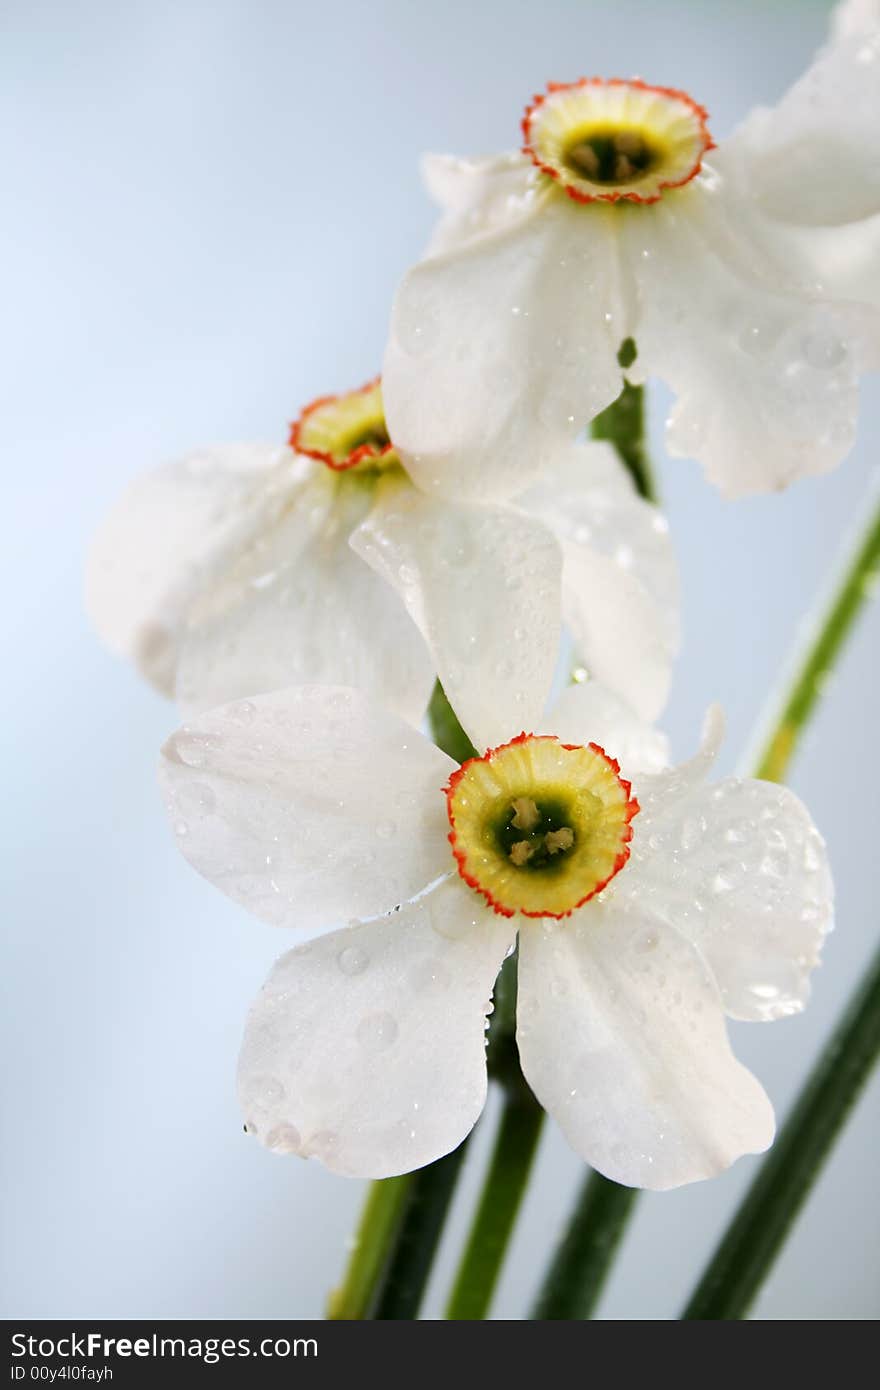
(321, 1144)
(352, 960)
(191, 749)
(824, 350)
(284, 1139)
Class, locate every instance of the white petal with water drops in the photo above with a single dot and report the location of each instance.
(809, 159)
(621, 1036)
(741, 870)
(169, 534)
(588, 713)
(764, 374)
(484, 369)
(483, 585)
(620, 578)
(478, 195)
(298, 607)
(321, 805)
(366, 1048)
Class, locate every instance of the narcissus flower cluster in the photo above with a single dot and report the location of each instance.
(450, 522)
(647, 904)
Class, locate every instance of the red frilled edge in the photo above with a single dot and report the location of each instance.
(357, 456)
(632, 809)
(702, 115)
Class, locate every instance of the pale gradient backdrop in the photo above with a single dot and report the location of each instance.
(206, 209)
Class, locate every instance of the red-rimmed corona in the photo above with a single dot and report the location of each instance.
(539, 827)
(347, 431)
(605, 140)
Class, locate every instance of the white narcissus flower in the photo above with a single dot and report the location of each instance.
(614, 231)
(647, 905)
(241, 570)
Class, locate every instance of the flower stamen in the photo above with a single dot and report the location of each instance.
(525, 813)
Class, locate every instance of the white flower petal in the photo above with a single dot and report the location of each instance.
(618, 629)
(663, 788)
(740, 869)
(366, 1048)
(845, 261)
(809, 159)
(621, 1036)
(502, 346)
(483, 585)
(765, 374)
(298, 607)
(168, 535)
(308, 805)
(477, 195)
(588, 713)
(852, 17)
(620, 579)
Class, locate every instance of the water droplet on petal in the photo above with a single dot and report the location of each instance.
(824, 350)
(353, 960)
(284, 1139)
(191, 749)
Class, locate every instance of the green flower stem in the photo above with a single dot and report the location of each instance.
(427, 1202)
(403, 1217)
(623, 425)
(379, 1221)
(505, 1183)
(583, 1260)
(515, 1147)
(856, 585)
(755, 1236)
(584, 1256)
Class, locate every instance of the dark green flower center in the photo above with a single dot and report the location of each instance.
(611, 156)
(375, 435)
(535, 835)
